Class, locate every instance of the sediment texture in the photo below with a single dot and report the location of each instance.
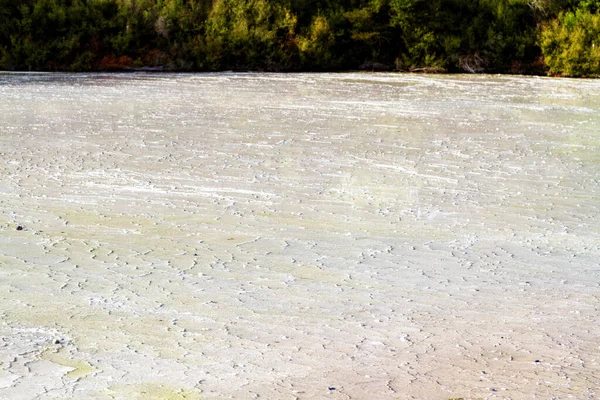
(299, 236)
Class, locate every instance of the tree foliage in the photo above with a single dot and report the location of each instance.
(251, 34)
(522, 36)
(571, 42)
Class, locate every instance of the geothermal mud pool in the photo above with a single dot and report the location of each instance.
(363, 236)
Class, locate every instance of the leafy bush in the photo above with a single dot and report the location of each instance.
(570, 43)
(251, 34)
(438, 35)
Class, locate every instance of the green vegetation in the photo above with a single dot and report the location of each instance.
(560, 37)
(571, 42)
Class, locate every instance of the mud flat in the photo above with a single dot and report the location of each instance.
(363, 236)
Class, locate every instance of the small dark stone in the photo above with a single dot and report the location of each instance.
(19, 228)
(195, 254)
(536, 361)
(331, 388)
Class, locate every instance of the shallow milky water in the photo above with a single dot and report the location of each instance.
(364, 236)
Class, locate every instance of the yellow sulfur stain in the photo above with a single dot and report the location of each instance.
(61, 357)
(152, 391)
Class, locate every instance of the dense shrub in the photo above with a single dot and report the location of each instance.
(571, 43)
(251, 34)
(429, 35)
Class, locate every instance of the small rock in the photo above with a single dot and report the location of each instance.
(331, 388)
(536, 361)
(19, 228)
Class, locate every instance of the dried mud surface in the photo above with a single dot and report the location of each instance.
(339, 236)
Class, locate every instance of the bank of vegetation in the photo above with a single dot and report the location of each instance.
(557, 37)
